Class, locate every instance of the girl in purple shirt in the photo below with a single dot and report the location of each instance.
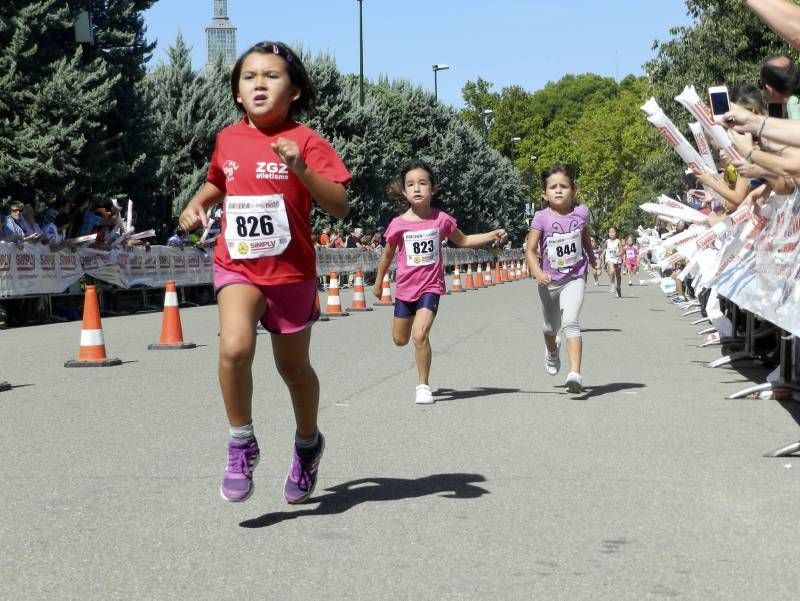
(559, 250)
(416, 236)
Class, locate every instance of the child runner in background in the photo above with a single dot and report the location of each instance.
(631, 259)
(597, 266)
(266, 169)
(559, 250)
(416, 236)
(613, 255)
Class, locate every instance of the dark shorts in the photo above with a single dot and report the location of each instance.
(429, 300)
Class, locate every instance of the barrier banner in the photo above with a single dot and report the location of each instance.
(760, 268)
(34, 269)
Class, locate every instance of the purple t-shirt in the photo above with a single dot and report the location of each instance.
(561, 244)
(420, 264)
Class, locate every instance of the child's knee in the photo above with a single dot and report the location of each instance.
(400, 339)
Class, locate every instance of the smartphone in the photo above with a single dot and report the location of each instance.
(775, 109)
(720, 103)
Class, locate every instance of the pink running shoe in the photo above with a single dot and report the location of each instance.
(237, 485)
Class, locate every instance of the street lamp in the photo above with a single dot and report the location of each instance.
(486, 117)
(436, 69)
(360, 52)
(514, 141)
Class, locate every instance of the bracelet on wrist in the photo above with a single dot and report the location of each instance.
(749, 157)
(760, 129)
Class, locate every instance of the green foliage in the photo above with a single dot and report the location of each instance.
(188, 109)
(587, 121)
(72, 118)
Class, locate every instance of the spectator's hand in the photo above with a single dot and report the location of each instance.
(741, 120)
(377, 290)
(742, 142)
(746, 169)
(289, 152)
(193, 217)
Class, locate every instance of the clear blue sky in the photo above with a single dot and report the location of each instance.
(506, 42)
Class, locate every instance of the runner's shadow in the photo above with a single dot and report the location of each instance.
(593, 391)
(600, 330)
(450, 394)
(345, 496)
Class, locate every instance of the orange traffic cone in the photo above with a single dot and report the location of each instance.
(497, 279)
(171, 330)
(320, 316)
(386, 293)
(512, 273)
(518, 267)
(359, 300)
(504, 272)
(92, 351)
(456, 280)
(487, 275)
(469, 284)
(479, 283)
(334, 307)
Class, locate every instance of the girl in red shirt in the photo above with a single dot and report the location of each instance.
(266, 170)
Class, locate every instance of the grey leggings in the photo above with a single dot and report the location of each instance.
(561, 305)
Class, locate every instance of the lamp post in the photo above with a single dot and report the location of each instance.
(436, 69)
(486, 117)
(360, 52)
(514, 141)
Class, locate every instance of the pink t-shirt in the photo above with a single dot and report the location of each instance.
(420, 261)
(631, 254)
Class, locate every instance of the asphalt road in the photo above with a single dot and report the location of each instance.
(649, 486)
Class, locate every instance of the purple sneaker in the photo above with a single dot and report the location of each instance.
(237, 485)
(302, 476)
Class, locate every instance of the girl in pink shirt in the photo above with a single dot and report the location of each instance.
(416, 236)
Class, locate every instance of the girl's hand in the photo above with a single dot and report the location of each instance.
(543, 279)
(192, 217)
(705, 178)
(500, 236)
(289, 153)
(377, 290)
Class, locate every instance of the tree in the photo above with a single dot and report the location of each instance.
(188, 110)
(54, 106)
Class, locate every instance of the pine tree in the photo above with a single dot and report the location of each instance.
(53, 105)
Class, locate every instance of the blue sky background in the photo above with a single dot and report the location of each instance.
(506, 42)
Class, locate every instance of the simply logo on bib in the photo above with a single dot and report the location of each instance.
(422, 247)
(564, 250)
(256, 226)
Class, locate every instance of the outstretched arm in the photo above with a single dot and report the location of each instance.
(782, 16)
(463, 240)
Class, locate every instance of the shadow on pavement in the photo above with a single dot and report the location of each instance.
(593, 391)
(600, 330)
(451, 394)
(346, 496)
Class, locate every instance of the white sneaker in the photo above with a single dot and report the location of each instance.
(552, 363)
(424, 396)
(574, 383)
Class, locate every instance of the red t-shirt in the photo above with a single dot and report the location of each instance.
(244, 165)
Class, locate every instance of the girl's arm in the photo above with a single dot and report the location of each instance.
(459, 238)
(588, 247)
(383, 266)
(330, 196)
(532, 256)
(194, 215)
